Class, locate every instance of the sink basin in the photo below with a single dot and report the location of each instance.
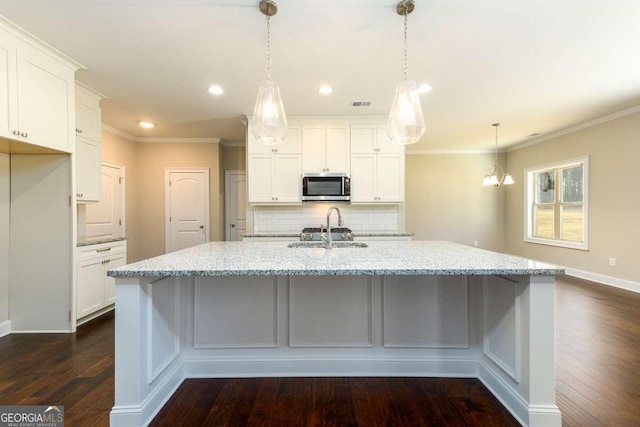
(340, 244)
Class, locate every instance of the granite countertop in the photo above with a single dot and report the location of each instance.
(379, 258)
(87, 242)
(355, 234)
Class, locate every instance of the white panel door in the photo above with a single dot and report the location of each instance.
(313, 149)
(90, 291)
(390, 178)
(106, 218)
(288, 178)
(8, 93)
(338, 149)
(363, 139)
(187, 208)
(114, 261)
(261, 177)
(236, 205)
(363, 177)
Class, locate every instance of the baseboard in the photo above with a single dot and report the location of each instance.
(5, 328)
(329, 367)
(605, 280)
(95, 315)
(525, 414)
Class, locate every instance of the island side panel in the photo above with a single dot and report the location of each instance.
(517, 356)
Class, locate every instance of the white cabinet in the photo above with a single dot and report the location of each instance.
(88, 113)
(274, 173)
(88, 145)
(377, 167)
(95, 291)
(275, 178)
(36, 94)
(325, 149)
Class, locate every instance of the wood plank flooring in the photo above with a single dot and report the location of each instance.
(597, 375)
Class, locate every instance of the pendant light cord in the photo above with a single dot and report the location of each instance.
(496, 150)
(268, 47)
(406, 73)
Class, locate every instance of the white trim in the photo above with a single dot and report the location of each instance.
(95, 315)
(575, 128)
(603, 279)
(151, 373)
(528, 203)
(167, 203)
(453, 151)
(5, 328)
(123, 174)
(177, 139)
(225, 143)
(89, 90)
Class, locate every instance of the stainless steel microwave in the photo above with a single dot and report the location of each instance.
(326, 187)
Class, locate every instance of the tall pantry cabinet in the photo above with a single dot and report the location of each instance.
(37, 146)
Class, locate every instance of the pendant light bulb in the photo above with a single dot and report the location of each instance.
(269, 121)
(406, 121)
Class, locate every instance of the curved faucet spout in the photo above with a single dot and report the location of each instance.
(327, 240)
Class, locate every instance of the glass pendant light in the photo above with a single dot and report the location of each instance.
(269, 122)
(406, 121)
(497, 176)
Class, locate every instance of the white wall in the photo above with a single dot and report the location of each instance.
(4, 239)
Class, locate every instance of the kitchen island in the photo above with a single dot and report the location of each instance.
(421, 308)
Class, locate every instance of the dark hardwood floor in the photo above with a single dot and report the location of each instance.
(598, 379)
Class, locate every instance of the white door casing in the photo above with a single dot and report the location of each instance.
(107, 217)
(235, 205)
(186, 208)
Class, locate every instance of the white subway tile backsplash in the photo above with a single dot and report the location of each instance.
(294, 218)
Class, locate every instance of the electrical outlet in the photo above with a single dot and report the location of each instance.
(475, 243)
(612, 262)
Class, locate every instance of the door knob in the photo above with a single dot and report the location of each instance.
(202, 226)
(233, 225)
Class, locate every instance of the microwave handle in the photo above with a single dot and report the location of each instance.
(343, 180)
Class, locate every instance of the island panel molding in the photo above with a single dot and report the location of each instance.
(251, 324)
(417, 309)
(503, 320)
(163, 323)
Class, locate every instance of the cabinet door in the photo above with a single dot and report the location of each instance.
(8, 83)
(363, 139)
(260, 178)
(90, 287)
(390, 178)
(338, 149)
(114, 261)
(291, 145)
(88, 170)
(384, 142)
(45, 100)
(313, 149)
(288, 178)
(363, 178)
(88, 117)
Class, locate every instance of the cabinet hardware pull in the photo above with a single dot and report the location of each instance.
(15, 132)
(103, 250)
(24, 134)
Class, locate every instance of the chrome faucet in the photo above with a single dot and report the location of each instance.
(327, 239)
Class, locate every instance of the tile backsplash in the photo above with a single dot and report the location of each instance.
(295, 218)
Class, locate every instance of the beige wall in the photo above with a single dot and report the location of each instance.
(234, 158)
(145, 163)
(446, 201)
(614, 150)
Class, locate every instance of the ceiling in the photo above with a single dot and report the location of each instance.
(536, 66)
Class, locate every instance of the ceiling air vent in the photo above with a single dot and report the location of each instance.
(360, 103)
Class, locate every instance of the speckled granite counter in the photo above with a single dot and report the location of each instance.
(380, 258)
(89, 242)
(412, 308)
(355, 234)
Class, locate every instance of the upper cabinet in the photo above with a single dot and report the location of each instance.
(366, 139)
(325, 149)
(291, 144)
(88, 145)
(88, 115)
(36, 91)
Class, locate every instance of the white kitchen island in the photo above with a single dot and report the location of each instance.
(421, 308)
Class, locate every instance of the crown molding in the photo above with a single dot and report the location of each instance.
(134, 138)
(576, 128)
(452, 152)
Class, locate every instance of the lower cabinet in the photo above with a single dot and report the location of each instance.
(95, 291)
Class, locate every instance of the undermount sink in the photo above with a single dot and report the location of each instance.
(320, 245)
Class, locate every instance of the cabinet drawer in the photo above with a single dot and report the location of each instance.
(101, 250)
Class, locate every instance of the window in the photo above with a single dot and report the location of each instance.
(557, 208)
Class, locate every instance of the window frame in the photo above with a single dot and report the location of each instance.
(529, 203)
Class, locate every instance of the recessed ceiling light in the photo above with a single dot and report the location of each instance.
(147, 125)
(216, 90)
(325, 89)
(424, 88)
